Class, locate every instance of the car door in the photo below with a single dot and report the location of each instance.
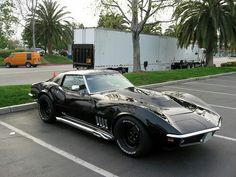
(78, 103)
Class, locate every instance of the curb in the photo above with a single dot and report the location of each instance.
(185, 80)
(17, 108)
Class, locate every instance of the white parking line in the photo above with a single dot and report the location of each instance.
(223, 80)
(225, 107)
(225, 138)
(203, 91)
(218, 85)
(229, 77)
(60, 152)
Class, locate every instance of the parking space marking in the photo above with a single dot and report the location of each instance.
(60, 152)
(203, 91)
(223, 80)
(218, 85)
(225, 107)
(229, 77)
(226, 138)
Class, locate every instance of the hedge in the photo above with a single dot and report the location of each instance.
(228, 64)
(6, 53)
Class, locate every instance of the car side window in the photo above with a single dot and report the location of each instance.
(71, 80)
(29, 56)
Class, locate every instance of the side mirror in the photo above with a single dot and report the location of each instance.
(75, 88)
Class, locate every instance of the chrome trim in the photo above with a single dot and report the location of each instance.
(30, 94)
(193, 134)
(190, 144)
(88, 128)
(86, 84)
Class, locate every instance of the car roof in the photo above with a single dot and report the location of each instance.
(90, 72)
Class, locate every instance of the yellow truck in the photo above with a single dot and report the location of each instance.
(28, 59)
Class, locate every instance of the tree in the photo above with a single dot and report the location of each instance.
(27, 35)
(137, 13)
(171, 30)
(207, 23)
(3, 42)
(27, 9)
(153, 29)
(53, 24)
(7, 18)
(112, 21)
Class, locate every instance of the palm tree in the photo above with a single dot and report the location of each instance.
(54, 26)
(171, 30)
(206, 22)
(112, 21)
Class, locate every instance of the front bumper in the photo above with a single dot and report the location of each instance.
(192, 138)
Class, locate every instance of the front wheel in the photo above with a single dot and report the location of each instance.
(132, 137)
(28, 65)
(46, 109)
(8, 65)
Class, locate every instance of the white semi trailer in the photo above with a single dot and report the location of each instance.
(102, 48)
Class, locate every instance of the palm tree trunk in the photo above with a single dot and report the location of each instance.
(209, 59)
(209, 56)
(49, 48)
(136, 52)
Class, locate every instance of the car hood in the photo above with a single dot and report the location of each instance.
(198, 116)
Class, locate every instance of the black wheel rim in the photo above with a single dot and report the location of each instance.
(45, 109)
(130, 134)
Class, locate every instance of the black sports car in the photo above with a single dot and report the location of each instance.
(106, 104)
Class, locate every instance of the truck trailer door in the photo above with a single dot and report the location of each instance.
(83, 55)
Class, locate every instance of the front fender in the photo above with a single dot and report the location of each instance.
(151, 120)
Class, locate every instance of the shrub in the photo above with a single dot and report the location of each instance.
(228, 64)
(6, 53)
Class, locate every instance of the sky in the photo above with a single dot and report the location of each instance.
(83, 11)
(87, 12)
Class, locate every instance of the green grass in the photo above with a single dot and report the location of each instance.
(13, 95)
(1, 61)
(144, 78)
(54, 59)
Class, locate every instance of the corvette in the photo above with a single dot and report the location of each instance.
(107, 105)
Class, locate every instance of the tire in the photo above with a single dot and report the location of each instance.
(28, 65)
(46, 109)
(8, 65)
(132, 137)
(35, 66)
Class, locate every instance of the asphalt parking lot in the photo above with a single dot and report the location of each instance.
(23, 75)
(30, 147)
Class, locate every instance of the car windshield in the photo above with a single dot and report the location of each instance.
(106, 82)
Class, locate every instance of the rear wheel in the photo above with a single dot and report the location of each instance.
(28, 65)
(46, 109)
(8, 65)
(131, 136)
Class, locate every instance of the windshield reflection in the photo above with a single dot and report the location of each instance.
(105, 82)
